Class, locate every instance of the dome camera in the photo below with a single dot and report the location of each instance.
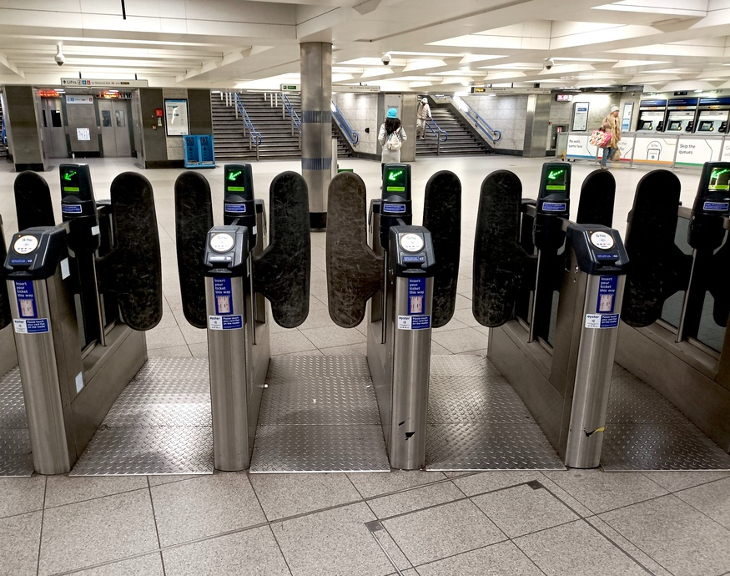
(60, 58)
(386, 58)
(549, 63)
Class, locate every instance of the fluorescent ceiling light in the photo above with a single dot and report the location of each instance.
(436, 54)
(374, 72)
(469, 58)
(514, 66)
(458, 73)
(423, 65)
(560, 58)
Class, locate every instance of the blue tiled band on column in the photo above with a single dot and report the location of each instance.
(316, 163)
(317, 116)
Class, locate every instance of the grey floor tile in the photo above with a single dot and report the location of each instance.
(522, 510)
(415, 499)
(19, 539)
(438, 350)
(360, 349)
(466, 316)
(453, 324)
(373, 484)
(565, 498)
(194, 335)
(101, 530)
(181, 351)
(674, 534)
(319, 318)
(336, 542)
(170, 478)
(503, 559)
(205, 506)
(19, 495)
(284, 495)
(638, 555)
(330, 336)
(252, 552)
(576, 549)
(712, 499)
(461, 340)
(199, 350)
(488, 481)
(288, 342)
(674, 481)
(601, 491)
(164, 338)
(149, 565)
(64, 490)
(434, 533)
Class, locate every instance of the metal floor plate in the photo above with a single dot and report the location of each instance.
(644, 431)
(319, 414)
(160, 424)
(478, 422)
(15, 451)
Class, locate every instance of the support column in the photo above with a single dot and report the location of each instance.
(24, 131)
(316, 74)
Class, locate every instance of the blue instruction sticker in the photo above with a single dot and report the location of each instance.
(238, 208)
(31, 326)
(414, 258)
(414, 322)
(223, 295)
(607, 286)
(25, 295)
(601, 321)
(394, 208)
(417, 295)
(554, 206)
(716, 206)
(234, 322)
(71, 208)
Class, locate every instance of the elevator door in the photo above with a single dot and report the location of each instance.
(114, 117)
(54, 131)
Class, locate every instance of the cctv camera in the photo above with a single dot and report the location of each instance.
(60, 58)
(549, 63)
(386, 58)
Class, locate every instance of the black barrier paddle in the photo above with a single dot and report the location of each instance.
(281, 272)
(597, 196)
(658, 267)
(354, 271)
(499, 260)
(137, 264)
(442, 218)
(33, 201)
(4, 302)
(193, 219)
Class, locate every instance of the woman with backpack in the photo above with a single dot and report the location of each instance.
(391, 138)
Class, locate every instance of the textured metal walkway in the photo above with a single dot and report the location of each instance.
(319, 414)
(15, 454)
(160, 424)
(476, 421)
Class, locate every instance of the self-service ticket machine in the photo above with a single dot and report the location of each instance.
(551, 292)
(81, 298)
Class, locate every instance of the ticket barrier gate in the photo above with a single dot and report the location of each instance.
(81, 296)
(406, 286)
(228, 273)
(676, 308)
(560, 363)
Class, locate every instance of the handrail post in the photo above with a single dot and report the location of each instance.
(438, 145)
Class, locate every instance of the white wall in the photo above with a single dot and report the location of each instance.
(360, 111)
(507, 114)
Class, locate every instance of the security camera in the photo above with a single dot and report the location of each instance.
(386, 58)
(549, 63)
(60, 58)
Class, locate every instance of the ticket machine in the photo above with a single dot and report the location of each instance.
(651, 116)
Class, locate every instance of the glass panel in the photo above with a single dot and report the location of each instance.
(709, 333)
(106, 118)
(672, 310)
(45, 122)
(553, 318)
(120, 118)
(56, 119)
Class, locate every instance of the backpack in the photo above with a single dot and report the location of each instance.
(393, 142)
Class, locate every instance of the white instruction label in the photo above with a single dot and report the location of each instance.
(79, 382)
(65, 270)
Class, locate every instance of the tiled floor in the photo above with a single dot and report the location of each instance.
(418, 523)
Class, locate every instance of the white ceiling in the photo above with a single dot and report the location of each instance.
(435, 45)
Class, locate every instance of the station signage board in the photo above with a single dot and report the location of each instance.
(96, 83)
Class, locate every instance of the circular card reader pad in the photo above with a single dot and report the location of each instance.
(602, 240)
(222, 242)
(411, 243)
(25, 244)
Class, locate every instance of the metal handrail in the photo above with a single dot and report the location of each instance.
(349, 133)
(288, 108)
(3, 134)
(481, 124)
(254, 136)
(441, 134)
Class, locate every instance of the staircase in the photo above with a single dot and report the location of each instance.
(277, 142)
(460, 142)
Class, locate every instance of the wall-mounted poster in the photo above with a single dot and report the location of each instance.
(580, 116)
(176, 117)
(626, 116)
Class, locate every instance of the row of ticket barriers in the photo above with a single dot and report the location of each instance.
(563, 300)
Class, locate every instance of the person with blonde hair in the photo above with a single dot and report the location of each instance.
(612, 125)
